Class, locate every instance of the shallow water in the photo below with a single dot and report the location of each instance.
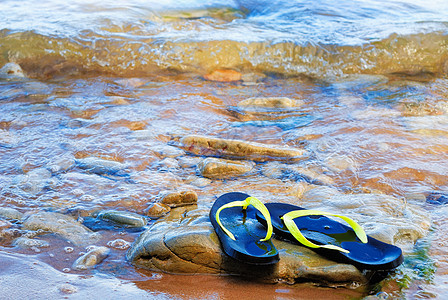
(123, 81)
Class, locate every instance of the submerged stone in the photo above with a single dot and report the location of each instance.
(210, 146)
(123, 218)
(101, 166)
(223, 76)
(270, 102)
(62, 225)
(8, 139)
(10, 213)
(174, 199)
(11, 70)
(34, 181)
(60, 164)
(437, 198)
(187, 243)
(215, 168)
(278, 170)
(94, 256)
(35, 244)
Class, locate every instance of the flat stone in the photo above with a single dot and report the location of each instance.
(216, 168)
(94, 256)
(157, 210)
(210, 146)
(270, 102)
(61, 164)
(223, 76)
(124, 218)
(101, 166)
(62, 225)
(174, 199)
(24, 242)
(10, 213)
(188, 244)
(278, 170)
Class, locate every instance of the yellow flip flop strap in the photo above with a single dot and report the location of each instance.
(292, 227)
(245, 203)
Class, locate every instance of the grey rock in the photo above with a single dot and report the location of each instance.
(11, 71)
(284, 171)
(8, 139)
(123, 218)
(93, 257)
(101, 166)
(60, 164)
(62, 225)
(10, 213)
(34, 181)
(24, 242)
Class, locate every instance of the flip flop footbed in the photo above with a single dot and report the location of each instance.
(248, 232)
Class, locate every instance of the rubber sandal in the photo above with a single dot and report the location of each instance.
(233, 216)
(334, 240)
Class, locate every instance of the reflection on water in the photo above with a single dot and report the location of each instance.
(122, 82)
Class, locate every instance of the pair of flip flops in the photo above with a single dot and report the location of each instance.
(245, 225)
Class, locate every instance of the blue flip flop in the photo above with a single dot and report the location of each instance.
(332, 239)
(233, 216)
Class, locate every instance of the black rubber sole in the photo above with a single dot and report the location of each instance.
(243, 224)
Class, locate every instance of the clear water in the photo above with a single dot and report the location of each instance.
(123, 81)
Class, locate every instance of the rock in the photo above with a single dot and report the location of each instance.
(4, 225)
(8, 139)
(61, 164)
(174, 199)
(252, 78)
(216, 168)
(101, 166)
(123, 217)
(341, 163)
(35, 244)
(169, 163)
(93, 257)
(62, 225)
(168, 151)
(210, 146)
(119, 244)
(11, 71)
(292, 172)
(10, 213)
(187, 243)
(157, 210)
(437, 198)
(68, 289)
(223, 76)
(270, 102)
(34, 181)
(197, 181)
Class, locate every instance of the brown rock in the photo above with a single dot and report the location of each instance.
(174, 199)
(270, 102)
(215, 168)
(157, 210)
(210, 146)
(223, 76)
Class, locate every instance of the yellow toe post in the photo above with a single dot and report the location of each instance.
(295, 231)
(245, 203)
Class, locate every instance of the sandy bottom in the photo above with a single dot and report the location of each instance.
(25, 277)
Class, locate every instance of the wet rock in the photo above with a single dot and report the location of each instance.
(75, 123)
(414, 109)
(10, 213)
(93, 257)
(252, 78)
(283, 171)
(123, 217)
(197, 181)
(61, 164)
(210, 146)
(68, 289)
(216, 168)
(4, 225)
(187, 243)
(101, 166)
(34, 244)
(169, 163)
(168, 151)
(119, 244)
(34, 181)
(340, 163)
(8, 139)
(223, 76)
(11, 71)
(157, 210)
(62, 225)
(174, 199)
(270, 102)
